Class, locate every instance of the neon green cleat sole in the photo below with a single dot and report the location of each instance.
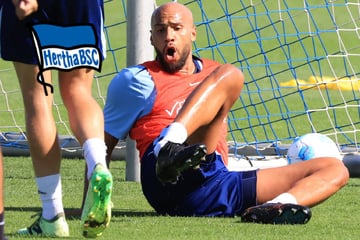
(96, 214)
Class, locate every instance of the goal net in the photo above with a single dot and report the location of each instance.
(300, 60)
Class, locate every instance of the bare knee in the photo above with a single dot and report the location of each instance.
(234, 76)
(337, 169)
(344, 174)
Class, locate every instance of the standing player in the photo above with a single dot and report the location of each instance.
(176, 107)
(85, 115)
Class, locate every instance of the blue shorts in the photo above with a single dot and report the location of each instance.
(211, 190)
(16, 39)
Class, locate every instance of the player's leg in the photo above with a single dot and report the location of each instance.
(310, 182)
(45, 151)
(40, 125)
(207, 107)
(199, 123)
(287, 197)
(2, 208)
(87, 124)
(85, 114)
(86, 181)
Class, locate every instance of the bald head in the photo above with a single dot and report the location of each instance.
(179, 12)
(172, 35)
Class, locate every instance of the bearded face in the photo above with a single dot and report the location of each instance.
(170, 52)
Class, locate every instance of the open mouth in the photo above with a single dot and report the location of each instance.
(170, 52)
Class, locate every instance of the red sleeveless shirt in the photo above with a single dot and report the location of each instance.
(171, 93)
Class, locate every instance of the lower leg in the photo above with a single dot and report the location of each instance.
(87, 124)
(85, 115)
(309, 182)
(50, 190)
(42, 138)
(322, 184)
(2, 209)
(205, 110)
(212, 99)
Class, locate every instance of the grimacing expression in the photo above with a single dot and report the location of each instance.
(172, 35)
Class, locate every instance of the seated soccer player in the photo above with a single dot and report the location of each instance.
(175, 108)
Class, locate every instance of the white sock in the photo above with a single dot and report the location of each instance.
(94, 153)
(50, 190)
(175, 132)
(284, 198)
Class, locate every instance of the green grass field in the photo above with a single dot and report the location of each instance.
(133, 218)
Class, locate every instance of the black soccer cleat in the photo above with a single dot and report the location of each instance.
(175, 158)
(277, 213)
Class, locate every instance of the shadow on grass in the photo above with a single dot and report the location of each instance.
(133, 213)
(75, 213)
(353, 184)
